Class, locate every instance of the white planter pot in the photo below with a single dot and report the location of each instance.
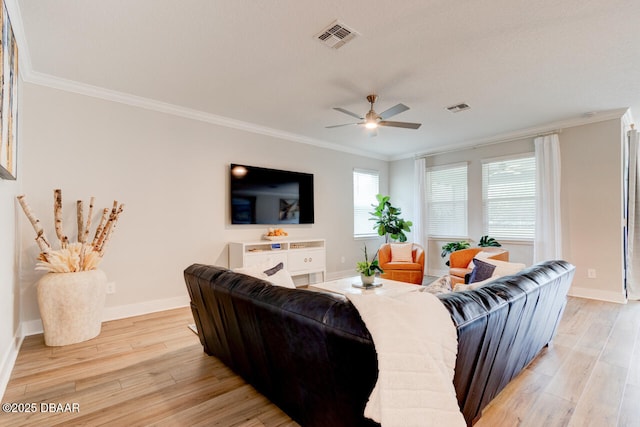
(367, 280)
(71, 306)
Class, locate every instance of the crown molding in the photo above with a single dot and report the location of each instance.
(523, 133)
(47, 80)
(29, 75)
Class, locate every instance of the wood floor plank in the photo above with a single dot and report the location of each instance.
(151, 370)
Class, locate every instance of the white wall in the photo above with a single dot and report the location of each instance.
(171, 173)
(591, 203)
(10, 332)
(9, 294)
(592, 208)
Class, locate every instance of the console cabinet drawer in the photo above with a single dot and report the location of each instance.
(306, 260)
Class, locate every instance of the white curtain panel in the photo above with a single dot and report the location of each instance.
(547, 244)
(633, 219)
(420, 206)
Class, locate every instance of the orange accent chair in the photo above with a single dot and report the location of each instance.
(410, 272)
(459, 261)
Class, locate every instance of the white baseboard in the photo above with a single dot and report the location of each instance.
(8, 362)
(130, 310)
(33, 327)
(597, 294)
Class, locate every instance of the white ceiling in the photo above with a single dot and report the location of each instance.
(256, 65)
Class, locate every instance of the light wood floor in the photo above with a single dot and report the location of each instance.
(151, 370)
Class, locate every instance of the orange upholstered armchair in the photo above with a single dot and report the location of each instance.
(459, 261)
(403, 271)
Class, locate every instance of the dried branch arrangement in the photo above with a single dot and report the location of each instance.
(81, 255)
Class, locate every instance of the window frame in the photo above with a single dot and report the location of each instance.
(360, 209)
(531, 198)
(429, 203)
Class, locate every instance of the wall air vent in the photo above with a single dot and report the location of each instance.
(458, 107)
(336, 35)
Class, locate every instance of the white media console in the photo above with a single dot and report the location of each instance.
(300, 257)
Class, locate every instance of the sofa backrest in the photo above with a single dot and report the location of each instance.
(502, 327)
(310, 353)
(302, 349)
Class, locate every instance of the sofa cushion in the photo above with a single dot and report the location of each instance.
(273, 270)
(460, 287)
(401, 252)
(480, 255)
(504, 268)
(482, 271)
(282, 278)
(274, 274)
(393, 265)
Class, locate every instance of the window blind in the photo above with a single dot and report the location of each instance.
(447, 200)
(508, 195)
(365, 189)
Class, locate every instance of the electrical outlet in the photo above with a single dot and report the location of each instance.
(111, 287)
(591, 273)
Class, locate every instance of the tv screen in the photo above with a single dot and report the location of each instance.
(270, 196)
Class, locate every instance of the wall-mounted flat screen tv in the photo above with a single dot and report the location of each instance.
(270, 196)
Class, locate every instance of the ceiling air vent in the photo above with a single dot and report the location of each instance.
(336, 35)
(458, 107)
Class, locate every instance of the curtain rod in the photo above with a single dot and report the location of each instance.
(485, 144)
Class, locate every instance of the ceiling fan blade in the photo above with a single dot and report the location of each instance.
(346, 124)
(393, 111)
(342, 110)
(405, 125)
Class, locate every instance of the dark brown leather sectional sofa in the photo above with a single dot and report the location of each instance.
(310, 353)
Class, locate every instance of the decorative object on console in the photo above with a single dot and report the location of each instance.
(275, 234)
(8, 98)
(402, 271)
(367, 269)
(71, 295)
(388, 222)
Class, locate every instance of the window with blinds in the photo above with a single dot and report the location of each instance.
(365, 189)
(447, 200)
(509, 197)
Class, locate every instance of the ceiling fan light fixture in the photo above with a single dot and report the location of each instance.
(371, 124)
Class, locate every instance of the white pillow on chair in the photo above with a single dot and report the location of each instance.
(401, 252)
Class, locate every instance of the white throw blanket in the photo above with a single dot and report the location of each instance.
(417, 344)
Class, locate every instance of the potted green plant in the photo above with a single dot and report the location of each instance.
(452, 247)
(367, 269)
(388, 221)
(486, 241)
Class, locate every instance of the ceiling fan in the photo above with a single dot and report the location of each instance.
(372, 120)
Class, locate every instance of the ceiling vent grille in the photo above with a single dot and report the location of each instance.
(336, 35)
(458, 107)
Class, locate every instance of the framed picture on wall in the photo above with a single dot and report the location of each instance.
(8, 97)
